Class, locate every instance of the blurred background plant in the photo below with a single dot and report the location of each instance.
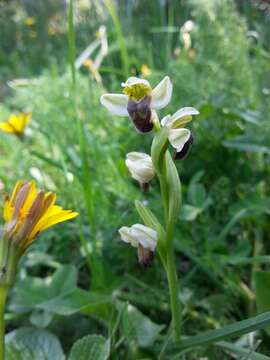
(217, 54)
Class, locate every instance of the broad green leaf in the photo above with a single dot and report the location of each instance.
(262, 289)
(32, 344)
(92, 347)
(31, 292)
(228, 331)
(138, 328)
(79, 300)
(40, 318)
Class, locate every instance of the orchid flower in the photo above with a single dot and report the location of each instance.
(143, 238)
(139, 101)
(179, 137)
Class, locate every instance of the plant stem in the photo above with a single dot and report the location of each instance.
(3, 293)
(173, 287)
(170, 260)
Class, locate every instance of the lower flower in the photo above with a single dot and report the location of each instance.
(143, 238)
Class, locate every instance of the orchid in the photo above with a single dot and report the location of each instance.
(143, 238)
(179, 137)
(139, 101)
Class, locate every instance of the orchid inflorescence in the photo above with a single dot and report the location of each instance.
(140, 102)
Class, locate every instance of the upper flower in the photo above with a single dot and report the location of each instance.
(143, 238)
(30, 211)
(180, 138)
(16, 123)
(138, 100)
(140, 167)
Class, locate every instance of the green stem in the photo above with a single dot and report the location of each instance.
(173, 287)
(3, 293)
(170, 260)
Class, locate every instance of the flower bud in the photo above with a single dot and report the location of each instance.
(143, 238)
(141, 168)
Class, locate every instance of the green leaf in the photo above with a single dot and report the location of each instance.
(58, 295)
(138, 328)
(92, 347)
(159, 146)
(262, 290)
(238, 350)
(228, 331)
(174, 191)
(32, 344)
(33, 291)
(79, 300)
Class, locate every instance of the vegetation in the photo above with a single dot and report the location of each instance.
(79, 291)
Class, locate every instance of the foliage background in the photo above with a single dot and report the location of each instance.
(223, 232)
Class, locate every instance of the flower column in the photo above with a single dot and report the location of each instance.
(140, 103)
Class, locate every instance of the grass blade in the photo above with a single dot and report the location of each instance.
(239, 328)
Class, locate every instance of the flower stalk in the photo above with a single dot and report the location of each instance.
(3, 295)
(140, 103)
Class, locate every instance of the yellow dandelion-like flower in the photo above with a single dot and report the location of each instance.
(16, 123)
(29, 21)
(30, 211)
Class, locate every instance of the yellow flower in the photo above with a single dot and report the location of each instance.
(30, 211)
(29, 21)
(145, 70)
(16, 123)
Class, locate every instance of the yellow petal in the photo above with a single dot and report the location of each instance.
(8, 211)
(48, 221)
(30, 198)
(6, 127)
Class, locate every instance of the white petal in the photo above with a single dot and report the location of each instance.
(185, 111)
(115, 103)
(124, 232)
(162, 93)
(133, 80)
(178, 138)
(146, 236)
(140, 166)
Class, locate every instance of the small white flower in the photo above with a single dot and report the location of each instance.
(139, 100)
(143, 238)
(179, 137)
(140, 166)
